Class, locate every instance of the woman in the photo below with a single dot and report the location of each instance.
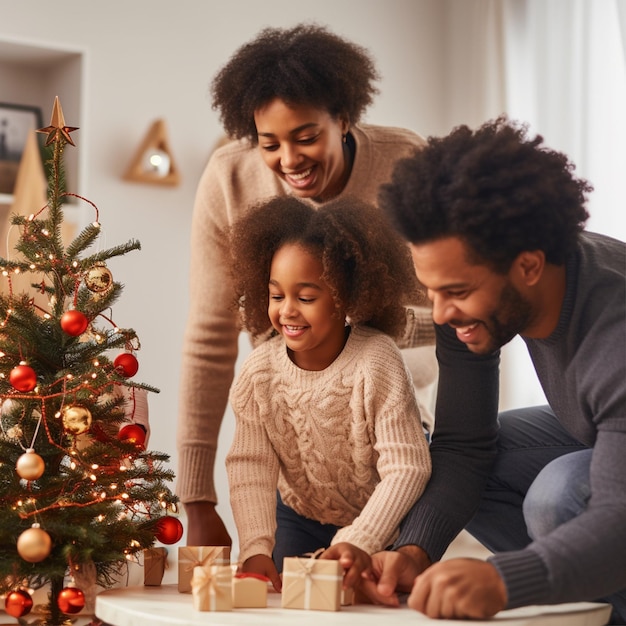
(291, 99)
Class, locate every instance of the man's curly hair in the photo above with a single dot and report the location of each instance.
(496, 189)
(305, 65)
(365, 262)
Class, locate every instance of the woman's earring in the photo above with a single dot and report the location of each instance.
(344, 138)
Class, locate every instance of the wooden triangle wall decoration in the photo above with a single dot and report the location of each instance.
(140, 172)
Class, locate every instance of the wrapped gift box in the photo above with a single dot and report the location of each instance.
(312, 584)
(154, 560)
(212, 588)
(347, 597)
(249, 591)
(192, 556)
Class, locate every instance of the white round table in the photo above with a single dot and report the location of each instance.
(151, 606)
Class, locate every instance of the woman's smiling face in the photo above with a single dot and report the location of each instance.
(304, 147)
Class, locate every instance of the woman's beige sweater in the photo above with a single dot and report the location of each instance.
(235, 178)
(344, 445)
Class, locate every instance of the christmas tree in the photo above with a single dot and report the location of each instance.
(79, 491)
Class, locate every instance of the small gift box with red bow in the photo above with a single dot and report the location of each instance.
(192, 556)
(312, 584)
(212, 588)
(249, 591)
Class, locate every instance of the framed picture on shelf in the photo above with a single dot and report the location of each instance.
(16, 121)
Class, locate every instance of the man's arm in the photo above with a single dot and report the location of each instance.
(463, 450)
(463, 446)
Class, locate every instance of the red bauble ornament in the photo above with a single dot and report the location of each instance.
(23, 378)
(132, 433)
(74, 323)
(71, 600)
(18, 603)
(126, 364)
(169, 529)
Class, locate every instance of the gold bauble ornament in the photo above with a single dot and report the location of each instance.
(99, 278)
(34, 544)
(30, 466)
(76, 419)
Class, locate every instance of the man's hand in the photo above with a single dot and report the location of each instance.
(356, 563)
(459, 589)
(261, 564)
(204, 526)
(393, 571)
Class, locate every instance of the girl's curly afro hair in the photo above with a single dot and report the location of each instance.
(366, 264)
(305, 65)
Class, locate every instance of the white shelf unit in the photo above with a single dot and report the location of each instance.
(32, 74)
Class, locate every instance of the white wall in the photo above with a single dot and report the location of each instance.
(442, 64)
(147, 59)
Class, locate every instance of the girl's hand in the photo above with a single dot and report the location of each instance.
(356, 563)
(261, 564)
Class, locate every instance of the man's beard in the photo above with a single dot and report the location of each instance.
(512, 315)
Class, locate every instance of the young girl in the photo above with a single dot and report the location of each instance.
(325, 409)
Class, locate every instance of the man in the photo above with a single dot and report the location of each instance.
(495, 224)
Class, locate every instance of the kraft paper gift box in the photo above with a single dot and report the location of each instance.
(312, 584)
(212, 588)
(154, 561)
(190, 556)
(347, 597)
(249, 591)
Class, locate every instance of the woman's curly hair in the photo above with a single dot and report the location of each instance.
(306, 64)
(366, 264)
(499, 191)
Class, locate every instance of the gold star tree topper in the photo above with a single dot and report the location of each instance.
(57, 125)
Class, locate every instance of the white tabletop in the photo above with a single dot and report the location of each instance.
(150, 606)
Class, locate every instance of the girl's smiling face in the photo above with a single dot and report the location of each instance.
(302, 309)
(304, 147)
